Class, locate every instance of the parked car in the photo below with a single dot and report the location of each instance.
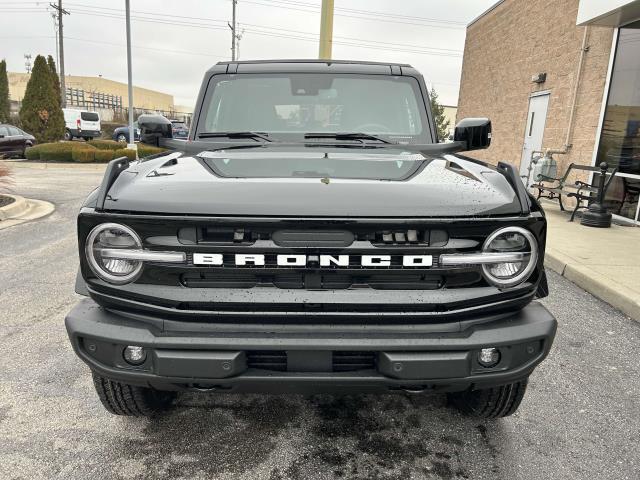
(312, 235)
(121, 134)
(14, 141)
(179, 129)
(81, 124)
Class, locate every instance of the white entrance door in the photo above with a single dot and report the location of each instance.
(534, 132)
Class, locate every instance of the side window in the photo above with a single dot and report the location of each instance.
(4, 132)
(14, 131)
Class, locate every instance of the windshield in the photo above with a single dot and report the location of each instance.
(288, 106)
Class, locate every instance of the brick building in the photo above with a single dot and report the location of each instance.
(562, 75)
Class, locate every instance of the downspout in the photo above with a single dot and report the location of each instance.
(549, 152)
(572, 112)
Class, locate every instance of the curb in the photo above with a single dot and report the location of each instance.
(14, 209)
(618, 296)
(23, 210)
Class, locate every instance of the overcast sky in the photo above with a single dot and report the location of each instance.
(175, 41)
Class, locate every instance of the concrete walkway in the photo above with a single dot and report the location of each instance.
(605, 262)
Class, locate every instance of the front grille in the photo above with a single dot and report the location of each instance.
(276, 360)
(331, 280)
(353, 361)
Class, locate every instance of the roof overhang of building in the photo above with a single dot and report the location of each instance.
(608, 13)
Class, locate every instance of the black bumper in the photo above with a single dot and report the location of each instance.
(277, 358)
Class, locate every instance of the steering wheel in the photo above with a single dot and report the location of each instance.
(371, 127)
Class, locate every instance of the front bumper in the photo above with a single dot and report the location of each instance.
(196, 355)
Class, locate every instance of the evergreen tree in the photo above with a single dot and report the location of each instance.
(4, 93)
(442, 124)
(54, 77)
(40, 114)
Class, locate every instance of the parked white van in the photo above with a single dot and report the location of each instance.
(81, 124)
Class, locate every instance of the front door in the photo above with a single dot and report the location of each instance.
(534, 132)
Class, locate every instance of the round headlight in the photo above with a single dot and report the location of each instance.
(515, 240)
(103, 241)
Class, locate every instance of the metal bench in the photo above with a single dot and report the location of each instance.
(555, 188)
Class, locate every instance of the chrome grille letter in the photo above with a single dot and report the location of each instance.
(376, 260)
(417, 260)
(340, 261)
(242, 259)
(207, 259)
(292, 260)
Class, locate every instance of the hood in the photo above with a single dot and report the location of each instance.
(310, 181)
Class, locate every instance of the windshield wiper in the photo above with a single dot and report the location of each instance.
(346, 136)
(255, 135)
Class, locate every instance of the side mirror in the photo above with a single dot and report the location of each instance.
(474, 132)
(153, 128)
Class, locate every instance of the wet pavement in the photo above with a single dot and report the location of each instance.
(579, 419)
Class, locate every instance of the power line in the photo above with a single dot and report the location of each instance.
(303, 36)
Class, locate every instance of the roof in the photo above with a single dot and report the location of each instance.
(313, 60)
(486, 12)
(313, 66)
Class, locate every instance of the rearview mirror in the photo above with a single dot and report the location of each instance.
(153, 128)
(474, 132)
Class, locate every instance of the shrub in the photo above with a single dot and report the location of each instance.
(146, 150)
(105, 144)
(103, 156)
(60, 151)
(40, 113)
(125, 152)
(32, 153)
(83, 155)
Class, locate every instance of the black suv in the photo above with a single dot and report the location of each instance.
(311, 234)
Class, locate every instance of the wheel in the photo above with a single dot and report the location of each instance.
(122, 138)
(88, 139)
(492, 402)
(67, 135)
(130, 400)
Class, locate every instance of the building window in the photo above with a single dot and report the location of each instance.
(620, 139)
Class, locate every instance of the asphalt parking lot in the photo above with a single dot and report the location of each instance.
(579, 420)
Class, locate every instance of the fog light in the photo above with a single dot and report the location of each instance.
(135, 355)
(489, 357)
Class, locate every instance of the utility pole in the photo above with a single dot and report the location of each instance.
(61, 11)
(55, 34)
(132, 139)
(232, 26)
(326, 30)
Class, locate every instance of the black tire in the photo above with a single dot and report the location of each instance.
(495, 402)
(122, 138)
(88, 139)
(67, 135)
(130, 400)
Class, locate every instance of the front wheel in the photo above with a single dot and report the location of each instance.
(122, 138)
(131, 400)
(495, 402)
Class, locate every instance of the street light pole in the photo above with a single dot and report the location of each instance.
(132, 138)
(326, 30)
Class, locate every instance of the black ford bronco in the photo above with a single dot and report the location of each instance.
(311, 234)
